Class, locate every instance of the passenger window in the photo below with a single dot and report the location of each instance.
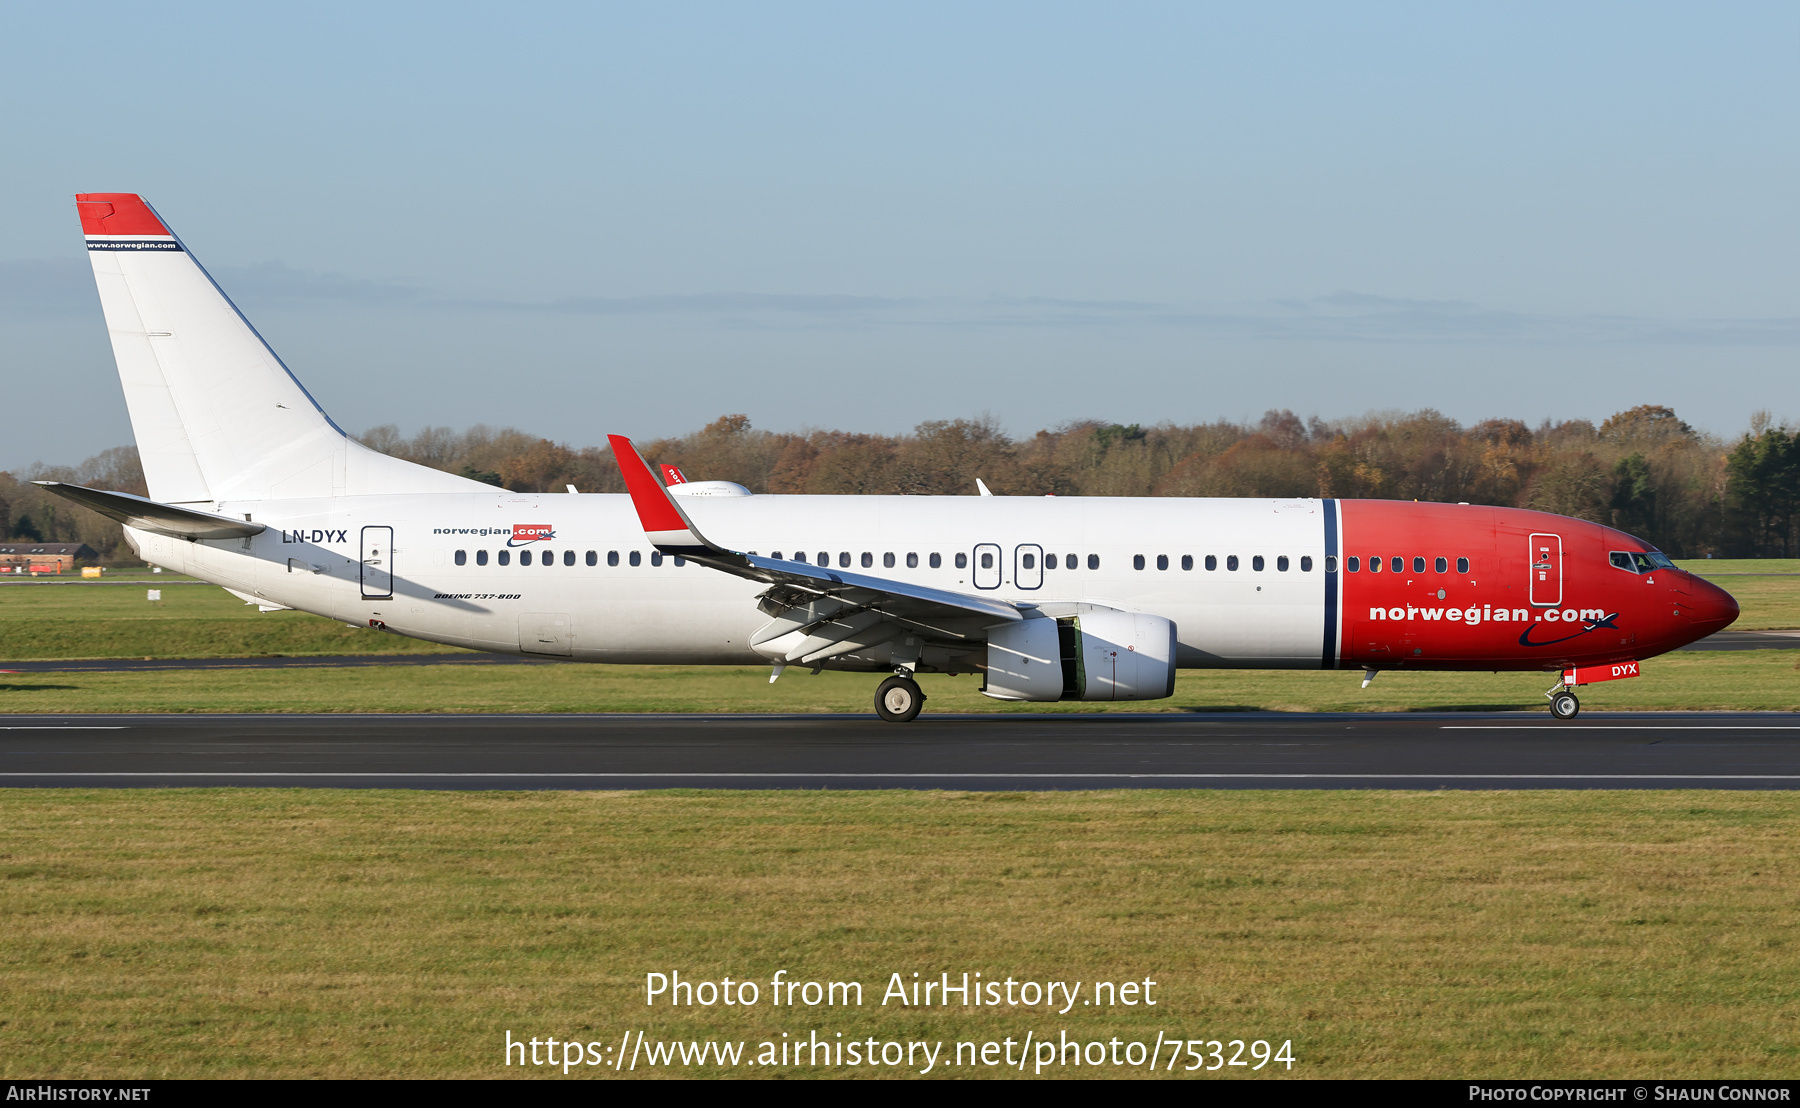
(987, 561)
(1442, 565)
(612, 557)
(656, 557)
(912, 560)
(1029, 561)
(481, 557)
(549, 557)
(887, 561)
(1137, 561)
(1187, 561)
(1398, 565)
(1231, 563)
(569, 557)
(1049, 561)
(1306, 563)
(680, 561)
(868, 560)
(1462, 565)
(462, 557)
(1093, 561)
(503, 557)
(637, 557)
(1212, 562)
(1281, 564)
(1418, 565)
(1374, 565)
(1256, 563)
(524, 557)
(937, 561)
(962, 561)
(824, 558)
(1162, 561)
(1353, 565)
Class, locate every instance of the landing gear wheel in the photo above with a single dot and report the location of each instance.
(899, 699)
(1564, 705)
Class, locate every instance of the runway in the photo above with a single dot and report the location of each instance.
(982, 752)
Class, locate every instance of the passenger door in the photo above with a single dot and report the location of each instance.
(987, 566)
(377, 563)
(1546, 570)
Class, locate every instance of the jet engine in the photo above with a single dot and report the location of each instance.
(1100, 654)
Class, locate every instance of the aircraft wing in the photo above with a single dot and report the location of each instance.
(839, 611)
(148, 515)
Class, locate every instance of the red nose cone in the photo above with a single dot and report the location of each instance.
(1714, 608)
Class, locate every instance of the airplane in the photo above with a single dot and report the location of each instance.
(255, 489)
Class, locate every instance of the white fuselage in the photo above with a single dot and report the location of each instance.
(331, 557)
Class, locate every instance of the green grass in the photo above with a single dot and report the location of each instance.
(51, 622)
(1765, 680)
(1709, 567)
(278, 933)
(44, 622)
(199, 621)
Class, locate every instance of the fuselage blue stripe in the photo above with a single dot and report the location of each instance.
(1329, 658)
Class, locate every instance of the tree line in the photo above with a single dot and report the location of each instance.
(1644, 470)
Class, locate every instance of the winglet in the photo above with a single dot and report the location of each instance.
(665, 524)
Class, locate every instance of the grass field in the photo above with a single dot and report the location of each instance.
(67, 621)
(1450, 934)
(111, 621)
(43, 622)
(1767, 680)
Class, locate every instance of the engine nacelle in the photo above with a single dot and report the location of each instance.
(1101, 654)
(1112, 655)
(1024, 661)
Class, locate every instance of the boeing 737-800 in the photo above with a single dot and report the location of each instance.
(254, 488)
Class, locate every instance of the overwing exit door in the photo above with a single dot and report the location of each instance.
(1028, 566)
(1546, 570)
(987, 566)
(377, 563)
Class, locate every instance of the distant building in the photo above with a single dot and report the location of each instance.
(43, 557)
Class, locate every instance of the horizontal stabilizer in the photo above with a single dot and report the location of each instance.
(148, 515)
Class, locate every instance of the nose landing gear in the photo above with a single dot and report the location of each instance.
(899, 699)
(1563, 704)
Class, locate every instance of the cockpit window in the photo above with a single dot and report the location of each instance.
(1634, 561)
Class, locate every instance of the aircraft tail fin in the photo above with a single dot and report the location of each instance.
(216, 414)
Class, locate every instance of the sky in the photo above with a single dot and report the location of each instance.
(633, 218)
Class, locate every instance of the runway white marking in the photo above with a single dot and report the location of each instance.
(965, 776)
(1612, 727)
(121, 728)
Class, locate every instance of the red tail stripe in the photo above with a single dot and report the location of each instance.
(117, 213)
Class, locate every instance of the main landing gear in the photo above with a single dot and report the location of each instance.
(899, 699)
(1563, 704)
